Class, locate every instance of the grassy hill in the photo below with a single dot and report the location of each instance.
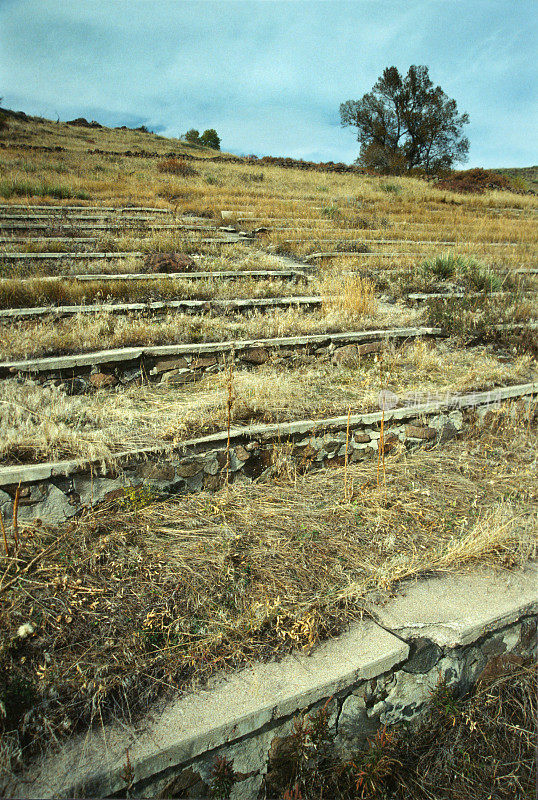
(280, 545)
(525, 178)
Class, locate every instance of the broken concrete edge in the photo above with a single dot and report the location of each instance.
(256, 700)
(134, 353)
(153, 276)
(353, 254)
(418, 297)
(186, 305)
(38, 472)
(43, 207)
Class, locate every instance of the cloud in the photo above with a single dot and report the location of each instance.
(268, 75)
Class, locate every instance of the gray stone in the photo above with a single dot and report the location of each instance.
(456, 418)
(55, 507)
(93, 490)
(177, 377)
(195, 483)
(354, 722)
(426, 656)
(159, 474)
(189, 467)
(211, 465)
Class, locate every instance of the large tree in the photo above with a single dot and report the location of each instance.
(406, 123)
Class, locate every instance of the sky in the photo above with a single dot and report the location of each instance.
(269, 75)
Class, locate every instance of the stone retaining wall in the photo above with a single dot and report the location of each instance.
(462, 629)
(58, 491)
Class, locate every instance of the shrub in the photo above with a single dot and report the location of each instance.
(464, 269)
(474, 180)
(176, 166)
(442, 267)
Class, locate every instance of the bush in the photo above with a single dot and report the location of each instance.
(463, 269)
(176, 166)
(474, 180)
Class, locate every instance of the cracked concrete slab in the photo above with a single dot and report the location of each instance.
(233, 707)
(456, 610)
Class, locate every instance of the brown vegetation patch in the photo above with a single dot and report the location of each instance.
(475, 180)
(176, 166)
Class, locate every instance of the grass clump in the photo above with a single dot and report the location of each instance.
(351, 294)
(9, 189)
(176, 166)
(479, 320)
(464, 270)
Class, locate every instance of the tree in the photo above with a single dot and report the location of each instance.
(210, 138)
(192, 136)
(406, 123)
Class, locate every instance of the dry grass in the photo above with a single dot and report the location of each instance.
(126, 604)
(43, 422)
(39, 292)
(348, 294)
(82, 333)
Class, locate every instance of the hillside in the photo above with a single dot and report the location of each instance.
(525, 178)
(242, 402)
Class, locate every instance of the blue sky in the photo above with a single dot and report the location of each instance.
(270, 75)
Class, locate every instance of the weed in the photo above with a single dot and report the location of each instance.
(391, 188)
(222, 778)
(177, 166)
(137, 497)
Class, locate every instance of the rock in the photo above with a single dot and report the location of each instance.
(168, 364)
(189, 468)
(187, 784)
(369, 347)
(346, 356)
(169, 262)
(177, 377)
(426, 656)
(389, 443)
(53, 508)
(241, 453)
(361, 438)
(305, 452)
(203, 363)
(256, 355)
(195, 483)
(156, 473)
(92, 490)
(420, 432)
(100, 380)
(354, 722)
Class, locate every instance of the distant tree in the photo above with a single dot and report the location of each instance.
(192, 136)
(406, 123)
(210, 138)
